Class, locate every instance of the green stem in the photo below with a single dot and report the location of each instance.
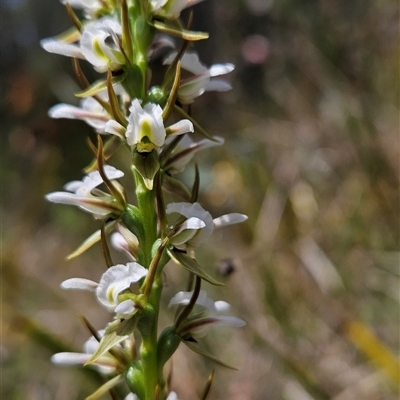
(148, 322)
(148, 350)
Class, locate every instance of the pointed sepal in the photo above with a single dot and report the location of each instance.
(102, 390)
(176, 187)
(99, 86)
(115, 333)
(180, 32)
(207, 387)
(204, 353)
(92, 239)
(192, 266)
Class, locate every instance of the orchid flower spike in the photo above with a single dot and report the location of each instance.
(145, 130)
(115, 281)
(208, 312)
(202, 79)
(194, 235)
(85, 195)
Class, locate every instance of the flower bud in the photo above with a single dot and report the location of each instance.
(135, 380)
(167, 345)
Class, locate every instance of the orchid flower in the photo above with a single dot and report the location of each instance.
(114, 281)
(86, 196)
(207, 312)
(126, 242)
(99, 44)
(146, 129)
(193, 237)
(201, 81)
(106, 364)
(89, 111)
(171, 9)
(96, 47)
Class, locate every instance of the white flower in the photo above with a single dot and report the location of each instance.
(114, 281)
(171, 8)
(126, 242)
(86, 196)
(146, 127)
(185, 151)
(89, 111)
(207, 313)
(145, 122)
(199, 235)
(99, 44)
(106, 364)
(201, 81)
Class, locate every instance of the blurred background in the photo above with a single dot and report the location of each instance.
(311, 155)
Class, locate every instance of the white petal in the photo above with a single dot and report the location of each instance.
(222, 306)
(227, 320)
(62, 198)
(221, 69)
(183, 298)
(192, 223)
(183, 237)
(194, 210)
(114, 128)
(125, 308)
(172, 396)
(73, 186)
(80, 284)
(180, 127)
(131, 396)
(72, 112)
(74, 200)
(118, 241)
(193, 87)
(116, 279)
(190, 62)
(218, 85)
(65, 49)
(187, 231)
(229, 219)
(70, 358)
(94, 179)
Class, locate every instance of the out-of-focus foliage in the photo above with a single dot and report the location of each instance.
(311, 155)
